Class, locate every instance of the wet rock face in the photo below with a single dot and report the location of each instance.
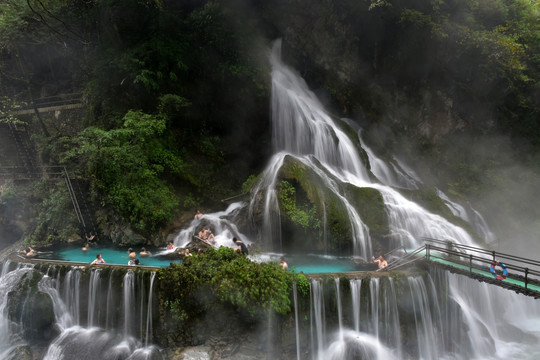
(32, 311)
(20, 353)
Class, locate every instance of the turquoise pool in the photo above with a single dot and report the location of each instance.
(306, 263)
(315, 264)
(117, 256)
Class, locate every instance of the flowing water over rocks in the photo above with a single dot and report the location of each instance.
(105, 313)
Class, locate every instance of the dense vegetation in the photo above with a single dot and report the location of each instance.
(177, 91)
(223, 276)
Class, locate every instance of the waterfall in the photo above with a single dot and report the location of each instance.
(356, 285)
(395, 174)
(93, 292)
(296, 321)
(70, 306)
(354, 344)
(339, 309)
(471, 216)
(436, 316)
(222, 225)
(304, 132)
(428, 342)
(318, 332)
(10, 338)
(148, 333)
(72, 295)
(374, 291)
(129, 302)
(109, 303)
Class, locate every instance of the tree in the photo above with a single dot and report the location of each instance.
(129, 166)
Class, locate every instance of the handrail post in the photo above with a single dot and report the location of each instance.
(470, 263)
(493, 252)
(526, 277)
(427, 251)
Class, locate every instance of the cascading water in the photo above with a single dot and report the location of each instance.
(395, 174)
(318, 327)
(79, 312)
(463, 325)
(303, 131)
(221, 224)
(10, 338)
(434, 316)
(447, 317)
(93, 292)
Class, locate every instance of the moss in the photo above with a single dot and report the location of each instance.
(29, 282)
(370, 205)
(306, 202)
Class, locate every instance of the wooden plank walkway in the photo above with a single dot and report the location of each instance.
(47, 109)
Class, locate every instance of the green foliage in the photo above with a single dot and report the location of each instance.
(250, 182)
(170, 105)
(8, 194)
(56, 220)
(304, 214)
(8, 105)
(229, 278)
(128, 166)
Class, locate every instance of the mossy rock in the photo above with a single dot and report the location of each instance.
(22, 352)
(33, 309)
(311, 202)
(370, 205)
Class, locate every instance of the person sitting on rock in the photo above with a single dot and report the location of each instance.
(283, 264)
(240, 246)
(85, 247)
(201, 235)
(210, 237)
(170, 246)
(187, 252)
(198, 215)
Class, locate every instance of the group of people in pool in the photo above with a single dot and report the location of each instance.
(28, 252)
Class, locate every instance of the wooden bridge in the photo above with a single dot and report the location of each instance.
(51, 103)
(523, 275)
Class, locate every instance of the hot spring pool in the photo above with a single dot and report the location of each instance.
(315, 263)
(116, 256)
(306, 263)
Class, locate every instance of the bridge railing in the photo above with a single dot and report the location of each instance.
(56, 100)
(519, 268)
(22, 172)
